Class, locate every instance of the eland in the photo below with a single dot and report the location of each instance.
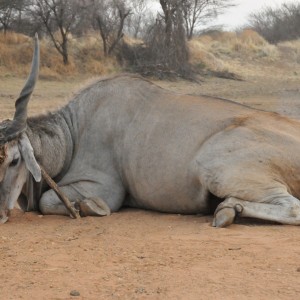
(124, 141)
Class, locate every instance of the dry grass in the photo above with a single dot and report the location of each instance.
(244, 53)
(223, 51)
(291, 51)
(86, 57)
(12, 38)
(234, 44)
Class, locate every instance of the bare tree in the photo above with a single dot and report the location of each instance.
(169, 7)
(58, 16)
(199, 12)
(5, 15)
(277, 24)
(140, 18)
(166, 41)
(9, 12)
(109, 17)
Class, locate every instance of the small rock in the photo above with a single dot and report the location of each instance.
(74, 293)
(298, 269)
(140, 290)
(235, 248)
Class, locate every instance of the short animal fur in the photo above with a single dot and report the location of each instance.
(125, 141)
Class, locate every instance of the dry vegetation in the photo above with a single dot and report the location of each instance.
(216, 51)
(86, 57)
(223, 51)
(242, 53)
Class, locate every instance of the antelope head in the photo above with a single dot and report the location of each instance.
(16, 153)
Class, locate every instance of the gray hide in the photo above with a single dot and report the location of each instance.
(124, 137)
(124, 141)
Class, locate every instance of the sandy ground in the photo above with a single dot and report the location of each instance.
(135, 254)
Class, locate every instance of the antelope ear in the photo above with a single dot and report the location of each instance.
(28, 156)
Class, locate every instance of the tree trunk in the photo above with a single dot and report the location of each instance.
(65, 53)
(102, 34)
(168, 21)
(5, 28)
(120, 31)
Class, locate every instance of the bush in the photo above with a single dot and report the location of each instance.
(280, 24)
(156, 56)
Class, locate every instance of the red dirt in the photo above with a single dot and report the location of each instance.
(137, 254)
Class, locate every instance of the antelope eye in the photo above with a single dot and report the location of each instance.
(14, 162)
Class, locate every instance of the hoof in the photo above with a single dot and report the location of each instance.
(4, 214)
(3, 220)
(93, 207)
(224, 217)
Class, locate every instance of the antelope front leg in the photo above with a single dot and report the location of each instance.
(285, 211)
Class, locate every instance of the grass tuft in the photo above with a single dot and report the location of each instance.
(241, 53)
(86, 57)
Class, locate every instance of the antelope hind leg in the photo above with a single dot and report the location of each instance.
(286, 211)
